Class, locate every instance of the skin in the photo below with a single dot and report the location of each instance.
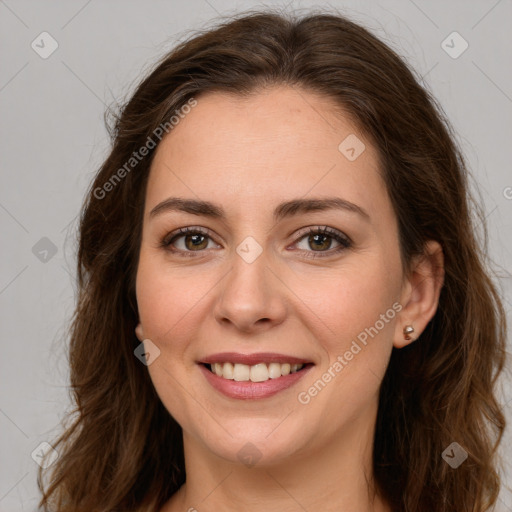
(248, 155)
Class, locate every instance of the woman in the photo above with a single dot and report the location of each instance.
(283, 304)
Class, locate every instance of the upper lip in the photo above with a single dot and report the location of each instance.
(252, 359)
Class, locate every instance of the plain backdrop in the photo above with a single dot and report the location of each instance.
(53, 140)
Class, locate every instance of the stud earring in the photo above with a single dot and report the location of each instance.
(408, 329)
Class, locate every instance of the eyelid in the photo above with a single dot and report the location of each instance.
(183, 231)
(316, 228)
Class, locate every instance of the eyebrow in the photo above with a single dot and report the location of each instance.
(283, 210)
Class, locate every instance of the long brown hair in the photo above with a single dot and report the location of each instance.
(122, 449)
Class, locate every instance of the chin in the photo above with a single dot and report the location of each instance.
(257, 443)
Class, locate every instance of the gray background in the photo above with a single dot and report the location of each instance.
(53, 139)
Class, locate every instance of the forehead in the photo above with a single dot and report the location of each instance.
(275, 144)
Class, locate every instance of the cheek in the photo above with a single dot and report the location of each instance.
(351, 299)
(357, 348)
(367, 295)
(167, 298)
(356, 304)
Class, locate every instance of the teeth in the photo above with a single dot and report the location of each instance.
(241, 372)
(274, 370)
(257, 373)
(226, 371)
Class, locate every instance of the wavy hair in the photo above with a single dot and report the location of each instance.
(437, 390)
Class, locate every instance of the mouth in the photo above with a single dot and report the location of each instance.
(260, 372)
(253, 376)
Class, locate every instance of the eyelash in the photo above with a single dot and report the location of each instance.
(343, 240)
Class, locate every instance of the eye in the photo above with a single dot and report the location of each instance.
(321, 239)
(191, 239)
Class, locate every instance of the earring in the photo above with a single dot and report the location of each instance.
(408, 329)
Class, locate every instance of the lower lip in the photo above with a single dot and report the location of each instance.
(248, 390)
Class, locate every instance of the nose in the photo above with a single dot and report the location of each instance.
(252, 298)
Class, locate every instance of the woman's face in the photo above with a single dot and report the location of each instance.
(248, 279)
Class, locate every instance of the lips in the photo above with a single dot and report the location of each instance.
(251, 376)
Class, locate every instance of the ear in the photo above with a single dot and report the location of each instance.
(420, 293)
(139, 332)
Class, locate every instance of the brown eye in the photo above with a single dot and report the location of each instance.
(193, 242)
(187, 240)
(320, 241)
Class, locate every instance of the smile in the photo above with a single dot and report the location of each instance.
(252, 376)
(256, 373)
